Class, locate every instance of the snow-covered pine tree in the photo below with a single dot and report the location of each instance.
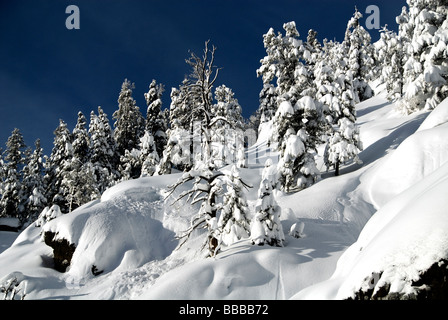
(266, 227)
(344, 142)
(390, 53)
(33, 183)
(103, 150)
(360, 52)
(81, 140)
(155, 121)
(149, 158)
(233, 223)
(55, 165)
(268, 102)
(178, 149)
(424, 30)
(298, 117)
(79, 185)
(226, 135)
(129, 122)
(3, 173)
(12, 201)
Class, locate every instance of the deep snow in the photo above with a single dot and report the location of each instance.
(395, 196)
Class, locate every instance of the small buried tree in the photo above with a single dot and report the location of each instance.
(209, 186)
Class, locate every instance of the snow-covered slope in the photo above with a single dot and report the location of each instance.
(129, 233)
(407, 235)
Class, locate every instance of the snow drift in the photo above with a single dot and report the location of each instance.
(407, 235)
(111, 237)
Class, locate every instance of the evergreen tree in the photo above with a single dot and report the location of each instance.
(149, 157)
(268, 102)
(81, 140)
(266, 227)
(178, 148)
(360, 56)
(3, 173)
(156, 125)
(104, 157)
(129, 122)
(233, 223)
(57, 164)
(423, 30)
(33, 183)
(12, 201)
(298, 118)
(391, 53)
(78, 185)
(226, 134)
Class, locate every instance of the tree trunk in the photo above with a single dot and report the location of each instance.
(336, 168)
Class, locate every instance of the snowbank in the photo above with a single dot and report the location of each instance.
(400, 241)
(415, 158)
(437, 117)
(111, 236)
(407, 235)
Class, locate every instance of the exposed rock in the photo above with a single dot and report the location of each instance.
(432, 285)
(62, 250)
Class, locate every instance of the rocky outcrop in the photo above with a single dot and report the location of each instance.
(432, 285)
(62, 250)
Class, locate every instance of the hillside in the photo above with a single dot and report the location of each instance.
(385, 217)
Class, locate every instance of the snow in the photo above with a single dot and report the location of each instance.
(384, 215)
(437, 117)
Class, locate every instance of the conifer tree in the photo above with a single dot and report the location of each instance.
(178, 148)
(149, 157)
(423, 30)
(104, 157)
(360, 56)
(266, 227)
(390, 52)
(298, 117)
(227, 133)
(129, 122)
(78, 185)
(268, 102)
(33, 183)
(156, 125)
(233, 223)
(12, 201)
(56, 166)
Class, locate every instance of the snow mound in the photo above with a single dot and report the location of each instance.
(401, 240)
(416, 157)
(111, 236)
(407, 235)
(437, 117)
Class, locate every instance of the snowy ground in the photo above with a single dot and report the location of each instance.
(129, 233)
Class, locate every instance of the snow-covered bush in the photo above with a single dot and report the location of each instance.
(266, 227)
(48, 214)
(296, 229)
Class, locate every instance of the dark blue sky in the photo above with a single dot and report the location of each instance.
(48, 72)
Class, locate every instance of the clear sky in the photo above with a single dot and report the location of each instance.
(48, 72)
